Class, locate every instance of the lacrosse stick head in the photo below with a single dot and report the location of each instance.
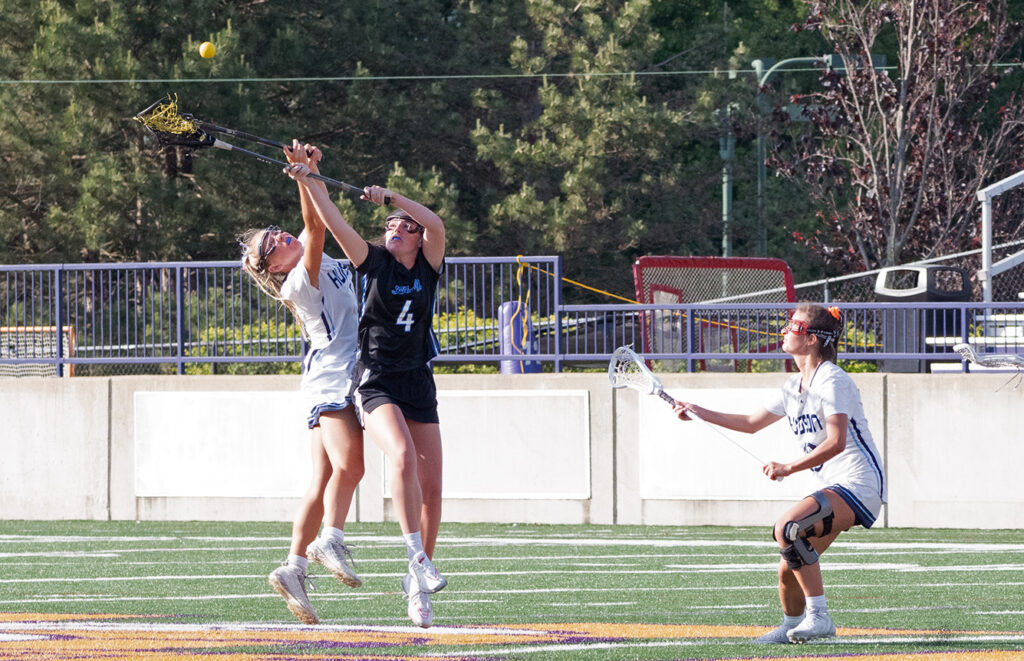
(627, 370)
(966, 352)
(991, 359)
(171, 127)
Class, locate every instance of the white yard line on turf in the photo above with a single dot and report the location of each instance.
(366, 595)
(557, 648)
(191, 597)
(667, 570)
(11, 632)
(673, 569)
(19, 637)
(561, 540)
(175, 627)
(362, 558)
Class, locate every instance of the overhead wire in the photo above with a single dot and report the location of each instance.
(322, 79)
(424, 77)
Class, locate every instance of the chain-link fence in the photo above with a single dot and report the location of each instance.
(860, 287)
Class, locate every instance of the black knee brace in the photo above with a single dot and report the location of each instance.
(799, 552)
(791, 531)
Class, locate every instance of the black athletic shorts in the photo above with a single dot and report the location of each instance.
(413, 391)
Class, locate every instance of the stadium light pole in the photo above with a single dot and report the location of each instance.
(835, 61)
(727, 152)
(762, 80)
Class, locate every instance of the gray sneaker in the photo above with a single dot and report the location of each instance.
(776, 636)
(815, 626)
(429, 579)
(420, 610)
(332, 554)
(290, 583)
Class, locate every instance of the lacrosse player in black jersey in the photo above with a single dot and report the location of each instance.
(397, 395)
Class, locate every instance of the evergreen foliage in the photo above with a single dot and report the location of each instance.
(444, 100)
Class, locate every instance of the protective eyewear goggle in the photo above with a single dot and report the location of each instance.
(410, 226)
(798, 327)
(795, 326)
(267, 246)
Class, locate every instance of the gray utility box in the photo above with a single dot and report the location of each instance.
(905, 329)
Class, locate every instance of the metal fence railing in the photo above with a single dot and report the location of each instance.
(191, 317)
(153, 317)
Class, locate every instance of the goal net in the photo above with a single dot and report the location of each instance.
(718, 280)
(27, 342)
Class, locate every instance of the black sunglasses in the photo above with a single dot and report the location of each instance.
(266, 246)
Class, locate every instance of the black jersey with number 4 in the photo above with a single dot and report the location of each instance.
(395, 328)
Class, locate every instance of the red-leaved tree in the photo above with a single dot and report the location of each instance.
(897, 154)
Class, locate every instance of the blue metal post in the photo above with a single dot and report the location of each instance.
(179, 305)
(558, 313)
(58, 302)
(691, 364)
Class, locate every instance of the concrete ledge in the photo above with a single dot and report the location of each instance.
(548, 448)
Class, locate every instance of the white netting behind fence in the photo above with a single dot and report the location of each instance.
(34, 342)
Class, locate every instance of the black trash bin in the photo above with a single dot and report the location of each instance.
(905, 330)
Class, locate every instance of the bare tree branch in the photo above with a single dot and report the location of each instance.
(897, 161)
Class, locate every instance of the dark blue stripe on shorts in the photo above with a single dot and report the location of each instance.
(863, 514)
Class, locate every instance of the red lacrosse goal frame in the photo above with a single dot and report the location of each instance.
(672, 279)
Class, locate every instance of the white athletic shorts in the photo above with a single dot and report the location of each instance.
(328, 386)
(865, 501)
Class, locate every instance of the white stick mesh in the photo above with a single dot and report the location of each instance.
(626, 370)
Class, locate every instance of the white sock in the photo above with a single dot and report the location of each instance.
(817, 603)
(298, 561)
(413, 544)
(792, 620)
(336, 534)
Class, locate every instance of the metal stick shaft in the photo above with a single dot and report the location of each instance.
(220, 144)
(207, 126)
(725, 436)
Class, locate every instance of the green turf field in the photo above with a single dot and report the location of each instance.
(116, 590)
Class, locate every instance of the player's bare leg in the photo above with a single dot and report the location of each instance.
(289, 580)
(817, 623)
(343, 442)
(791, 595)
(386, 426)
(389, 429)
(311, 509)
(427, 438)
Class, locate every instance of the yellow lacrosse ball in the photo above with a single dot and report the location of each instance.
(207, 50)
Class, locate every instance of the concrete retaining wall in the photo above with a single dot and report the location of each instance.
(549, 448)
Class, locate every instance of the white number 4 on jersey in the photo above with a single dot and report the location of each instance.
(405, 317)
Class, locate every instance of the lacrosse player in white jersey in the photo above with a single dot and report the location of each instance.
(320, 292)
(396, 394)
(824, 410)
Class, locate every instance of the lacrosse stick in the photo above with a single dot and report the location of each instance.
(173, 128)
(967, 353)
(627, 370)
(213, 128)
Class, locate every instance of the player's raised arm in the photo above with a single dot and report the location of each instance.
(353, 245)
(433, 241)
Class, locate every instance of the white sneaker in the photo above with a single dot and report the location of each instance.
(332, 554)
(776, 636)
(420, 610)
(290, 583)
(429, 579)
(815, 626)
